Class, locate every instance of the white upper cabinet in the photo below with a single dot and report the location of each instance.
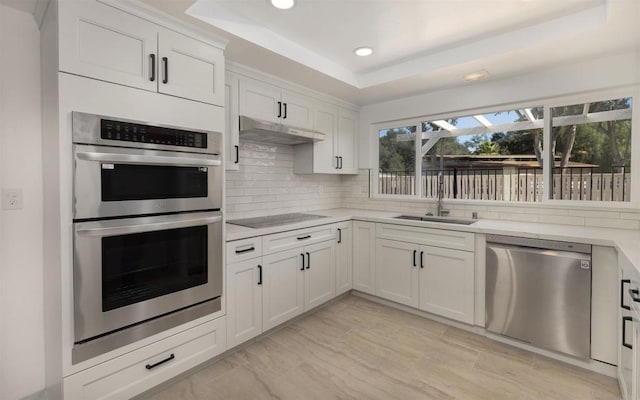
(346, 145)
(102, 42)
(190, 68)
(232, 142)
(263, 101)
(336, 154)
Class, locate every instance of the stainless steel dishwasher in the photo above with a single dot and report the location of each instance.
(539, 291)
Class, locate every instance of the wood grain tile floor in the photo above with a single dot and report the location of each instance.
(357, 349)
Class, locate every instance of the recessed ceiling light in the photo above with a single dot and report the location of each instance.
(476, 76)
(283, 4)
(363, 51)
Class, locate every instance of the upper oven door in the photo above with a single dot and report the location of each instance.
(117, 181)
(130, 270)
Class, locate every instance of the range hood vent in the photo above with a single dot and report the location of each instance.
(271, 132)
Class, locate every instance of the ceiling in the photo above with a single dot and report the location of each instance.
(419, 45)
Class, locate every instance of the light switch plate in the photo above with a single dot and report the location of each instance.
(12, 199)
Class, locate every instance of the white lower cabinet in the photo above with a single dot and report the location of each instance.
(344, 257)
(435, 279)
(447, 283)
(319, 274)
(142, 369)
(364, 266)
(244, 301)
(397, 271)
(297, 280)
(283, 287)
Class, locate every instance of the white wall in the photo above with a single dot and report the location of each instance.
(266, 184)
(21, 285)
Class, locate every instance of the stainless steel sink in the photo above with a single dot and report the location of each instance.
(430, 218)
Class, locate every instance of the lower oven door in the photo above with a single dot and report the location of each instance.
(128, 271)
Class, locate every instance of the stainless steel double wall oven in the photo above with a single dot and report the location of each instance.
(147, 230)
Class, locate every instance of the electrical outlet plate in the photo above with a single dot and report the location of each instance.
(11, 199)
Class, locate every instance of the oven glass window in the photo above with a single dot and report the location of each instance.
(122, 182)
(142, 266)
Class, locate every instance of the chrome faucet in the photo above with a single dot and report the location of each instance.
(441, 211)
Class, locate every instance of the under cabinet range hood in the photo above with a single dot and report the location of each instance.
(277, 133)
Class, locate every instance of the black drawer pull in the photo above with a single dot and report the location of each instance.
(622, 282)
(245, 250)
(308, 260)
(151, 366)
(285, 111)
(237, 154)
(421, 259)
(304, 237)
(339, 235)
(414, 257)
(279, 109)
(624, 332)
(302, 255)
(259, 274)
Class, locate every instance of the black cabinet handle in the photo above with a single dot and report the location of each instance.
(414, 257)
(622, 282)
(165, 64)
(285, 111)
(259, 274)
(339, 235)
(151, 366)
(245, 250)
(421, 259)
(340, 162)
(337, 162)
(152, 67)
(308, 260)
(624, 332)
(635, 295)
(304, 237)
(279, 109)
(237, 154)
(302, 255)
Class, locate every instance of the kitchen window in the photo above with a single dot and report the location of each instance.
(499, 156)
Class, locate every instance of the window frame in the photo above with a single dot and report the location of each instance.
(547, 104)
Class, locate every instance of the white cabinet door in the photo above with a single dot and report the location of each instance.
(364, 271)
(260, 100)
(101, 42)
(190, 68)
(244, 301)
(297, 110)
(319, 275)
(282, 287)
(325, 121)
(346, 147)
(397, 271)
(344, 258)
(232, 142)
(446, 283)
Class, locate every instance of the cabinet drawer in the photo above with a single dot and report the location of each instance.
(428, 236)
(245, 249)
(292, 239)
(130, 374)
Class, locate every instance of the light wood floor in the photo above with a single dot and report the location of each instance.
(357, 349)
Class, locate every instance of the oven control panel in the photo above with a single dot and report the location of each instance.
(132, 132)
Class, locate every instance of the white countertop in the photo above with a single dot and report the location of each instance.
(625, 241)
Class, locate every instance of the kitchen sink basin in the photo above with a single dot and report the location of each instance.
(433, 218)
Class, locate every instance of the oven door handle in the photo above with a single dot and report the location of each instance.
(150, 227)
(149, 160)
